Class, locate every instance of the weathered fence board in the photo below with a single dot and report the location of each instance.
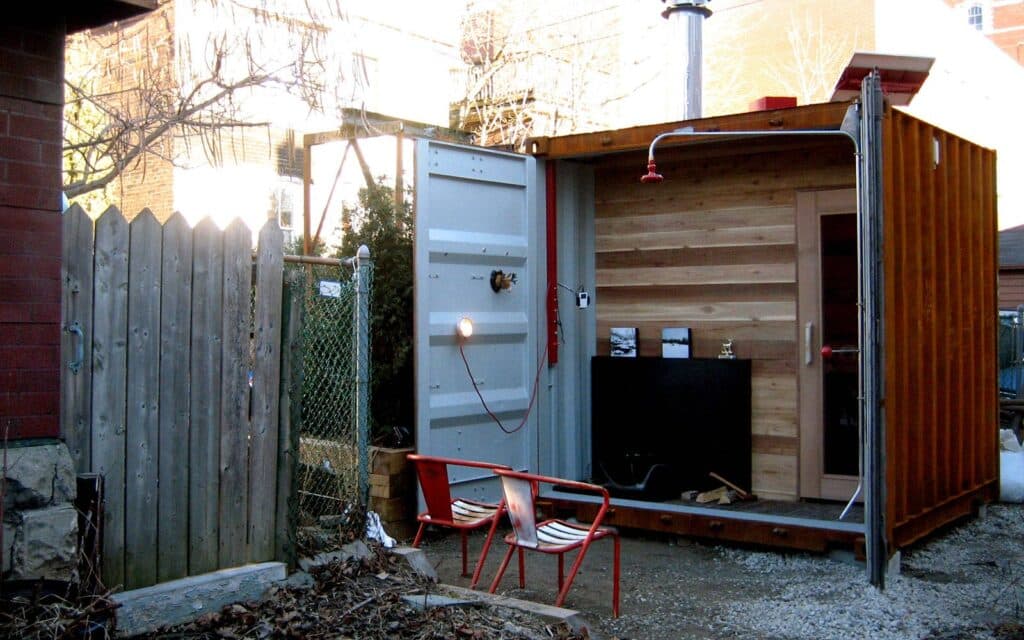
(266, 393)
(175, 334)
(109, 371)
(142, 417)
(234, 415)
(76, 384)
(204, 434)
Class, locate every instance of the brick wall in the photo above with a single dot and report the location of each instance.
(31, 98)
(117, 61)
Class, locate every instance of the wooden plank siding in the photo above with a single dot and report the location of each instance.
(940, 326)
(713, 248)
(1011, 289)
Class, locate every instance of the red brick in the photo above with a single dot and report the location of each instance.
(47, 45)
(12, 36)
(31, 427)
(31, 334)
(33, 128)
(36, 221)
(30, 403)
(30, 312)
(35, 89)
(32, 66)
(29, 290)
(35, 175)
(30, 197)
(52, 155)
(25, 243)
(42, 266)
(30, 357)
(25, 380)
(45, 312)
(20, 149)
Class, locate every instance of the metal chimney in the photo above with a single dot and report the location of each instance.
(686, 21)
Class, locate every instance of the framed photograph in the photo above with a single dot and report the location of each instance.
(675, 342)
(624, 342)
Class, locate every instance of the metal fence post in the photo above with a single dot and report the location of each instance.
(362, 338)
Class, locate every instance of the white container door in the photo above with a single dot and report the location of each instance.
(476, 214)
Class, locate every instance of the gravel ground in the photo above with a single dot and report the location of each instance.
(966, 582)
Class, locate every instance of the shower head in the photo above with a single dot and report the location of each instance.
(652, 176)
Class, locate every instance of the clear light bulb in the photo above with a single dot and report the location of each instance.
(465, 327)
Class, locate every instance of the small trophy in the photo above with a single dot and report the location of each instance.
(726, 351)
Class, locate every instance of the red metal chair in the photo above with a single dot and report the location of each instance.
(551, 536)
(457, 513)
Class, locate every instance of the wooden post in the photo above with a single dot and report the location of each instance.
(291, 417)
(266, 391)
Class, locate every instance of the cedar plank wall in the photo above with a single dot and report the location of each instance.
(713, 248)
(940, 327)
(1011, 289)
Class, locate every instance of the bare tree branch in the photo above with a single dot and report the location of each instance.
(134, 89)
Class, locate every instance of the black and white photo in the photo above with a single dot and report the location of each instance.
(675, 342)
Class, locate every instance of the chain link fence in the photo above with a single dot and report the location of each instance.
(332, 475)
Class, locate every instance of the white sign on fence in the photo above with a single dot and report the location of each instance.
(330, 288)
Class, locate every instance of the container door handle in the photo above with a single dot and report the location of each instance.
(76, 365)
(808, 347)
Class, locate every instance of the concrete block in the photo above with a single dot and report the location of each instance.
(356, 550)
(417, 560)
(892, 568)
(435, 601)
(545, 611)
(45, 543)
(38, 476)
(180, 601)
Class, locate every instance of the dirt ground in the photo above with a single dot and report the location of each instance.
(965, 582)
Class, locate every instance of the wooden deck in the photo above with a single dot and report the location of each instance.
(808, 526)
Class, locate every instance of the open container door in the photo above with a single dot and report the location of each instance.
(476, 214)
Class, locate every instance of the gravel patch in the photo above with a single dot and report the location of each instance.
(965, 583)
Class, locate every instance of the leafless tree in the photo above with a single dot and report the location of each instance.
(190, 71)
(532, 72)
(815, 60)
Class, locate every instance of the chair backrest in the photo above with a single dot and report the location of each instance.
(433, 475)
(522, 512)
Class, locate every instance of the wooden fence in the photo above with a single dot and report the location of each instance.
(172, 390)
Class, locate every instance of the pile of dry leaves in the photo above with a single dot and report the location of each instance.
(364, 599)
(51, 610)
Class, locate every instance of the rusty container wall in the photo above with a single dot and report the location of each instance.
(941, 412)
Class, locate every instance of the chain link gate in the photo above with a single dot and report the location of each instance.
(331, 481)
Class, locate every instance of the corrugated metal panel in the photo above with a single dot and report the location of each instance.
(476, 212)
(940, 323)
